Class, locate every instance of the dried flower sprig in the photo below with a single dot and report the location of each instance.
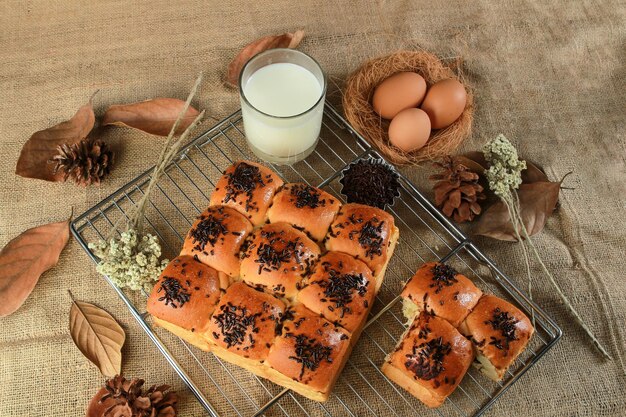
(504, 176)
(132, 258)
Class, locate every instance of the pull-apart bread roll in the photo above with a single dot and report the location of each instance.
(248, 188)
(216, 237)
(305, 207)
(184, 297)
(365, 232)
(245, 324)
(499, 332)
(430, 360)
(309, 354)
(276, 257)
(440, 290)
(341, 289)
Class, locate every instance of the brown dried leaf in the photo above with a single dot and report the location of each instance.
(156, 116)
(533, 173)
(474, 161)
(98, 336)
(25, 258)
(42, 145)
(286, 40)
(537, 201)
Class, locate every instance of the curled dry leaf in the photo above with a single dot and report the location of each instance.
(537, 201)
(98, 336)
(42, 145)
(156, 116)
(25, 258)
(286, 40)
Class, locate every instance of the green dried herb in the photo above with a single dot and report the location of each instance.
(505, 176)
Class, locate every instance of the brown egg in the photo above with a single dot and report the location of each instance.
(444, 102)
(410, 129)
(398, 92)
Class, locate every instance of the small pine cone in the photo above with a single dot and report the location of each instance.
(457, 191)
(123, 398)
(86, 162)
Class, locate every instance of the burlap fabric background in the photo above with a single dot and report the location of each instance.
(550, 75)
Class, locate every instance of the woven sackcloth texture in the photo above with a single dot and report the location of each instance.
(548, 74)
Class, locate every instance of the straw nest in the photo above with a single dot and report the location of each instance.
(359, 112)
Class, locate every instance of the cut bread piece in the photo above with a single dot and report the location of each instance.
(440, 290)
(499, 332)
(430, 360)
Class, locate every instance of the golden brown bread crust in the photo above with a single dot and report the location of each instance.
(442, 291)
(434, 355)
(246, 321)
(341, 289)
(363, 232)
(247, 187)
(310, 350)
(185, 294)
(304, 207)
(216, 237)
(498, 330)
(276, 257)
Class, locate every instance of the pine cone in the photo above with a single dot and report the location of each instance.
(123, 398)
(457, 191)
(85, 162)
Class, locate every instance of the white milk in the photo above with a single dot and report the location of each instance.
(283, 91)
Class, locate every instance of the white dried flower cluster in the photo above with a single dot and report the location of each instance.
(130, 261)
(505, 168)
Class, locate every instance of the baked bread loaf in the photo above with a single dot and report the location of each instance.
(184, 297)
(247, 187)
(438, 289)
(277, 257)
(499, 332)
(430, 360)
(246, 322)
(304, 207)
(310, 353)
(364, 232)
(253, 313)
(341, 289)
(216, 237)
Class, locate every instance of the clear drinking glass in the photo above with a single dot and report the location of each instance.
(286, 138)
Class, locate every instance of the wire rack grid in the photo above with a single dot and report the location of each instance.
(362, 390)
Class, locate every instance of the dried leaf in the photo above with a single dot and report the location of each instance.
(25, 258)
(474, 161)
(533, 173)
(156, 116)
(42, 145)
(98, 336)
(537, 201)
(286, 40)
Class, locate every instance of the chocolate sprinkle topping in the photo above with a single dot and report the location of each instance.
(369, 236)
(208, 231)
(173, 292)
(234, 322)
(426, 361)
(310, 353)
(244, 180)
(443, 276)
(370, 183)
(306, 196)
(340, 288)
(505, 323)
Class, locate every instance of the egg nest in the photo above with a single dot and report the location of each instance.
(361, 115)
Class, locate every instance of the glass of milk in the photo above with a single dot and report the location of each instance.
(282, 95)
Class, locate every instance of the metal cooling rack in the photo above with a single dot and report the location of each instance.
(362, 390)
